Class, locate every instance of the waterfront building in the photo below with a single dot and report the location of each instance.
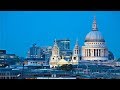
(8, 73)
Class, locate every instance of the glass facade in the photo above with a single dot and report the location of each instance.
(63, 44)
(34, 52)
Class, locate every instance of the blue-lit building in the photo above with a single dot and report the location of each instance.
(34, 52)
(64, 47)
(9, 73)
(46, 52)
(8, 59)
(40, 53)
(63, 44)
(110, 55)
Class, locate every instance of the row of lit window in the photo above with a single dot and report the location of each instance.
(8, 73)
(33, 55)
(6, 57)
(39, 62)
(7, 77)
(94, 43)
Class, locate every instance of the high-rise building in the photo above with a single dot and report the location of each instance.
(39, 53)
(64, 47)
(63, 44)
(34, 52)
(46, 52)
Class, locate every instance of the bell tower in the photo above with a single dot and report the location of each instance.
(76, 54)
(55, 57)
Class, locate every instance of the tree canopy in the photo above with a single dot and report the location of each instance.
(66, 67)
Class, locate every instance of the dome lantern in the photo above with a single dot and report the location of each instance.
(94, 35)
(94, 25)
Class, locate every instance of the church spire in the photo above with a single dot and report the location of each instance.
(94, 25)
(55, 43)
(76, 48)
(77, 41)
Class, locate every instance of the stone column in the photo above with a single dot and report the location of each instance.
(102, 52)
(95, 52)
(85, 52)
(88, 52)
(98, 52)
(92, 52)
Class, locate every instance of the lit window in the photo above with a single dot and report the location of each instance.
(2, 57)
(11, 56)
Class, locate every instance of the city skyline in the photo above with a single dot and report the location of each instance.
(19, 30)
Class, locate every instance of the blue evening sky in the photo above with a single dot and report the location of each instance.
(20, 29)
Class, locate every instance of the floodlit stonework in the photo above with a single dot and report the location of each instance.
(94, 46)
(94, 49)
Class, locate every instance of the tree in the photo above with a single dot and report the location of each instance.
(66, 67)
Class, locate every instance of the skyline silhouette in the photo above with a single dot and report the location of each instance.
(20, 29)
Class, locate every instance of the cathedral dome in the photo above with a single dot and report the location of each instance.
(94, 35)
